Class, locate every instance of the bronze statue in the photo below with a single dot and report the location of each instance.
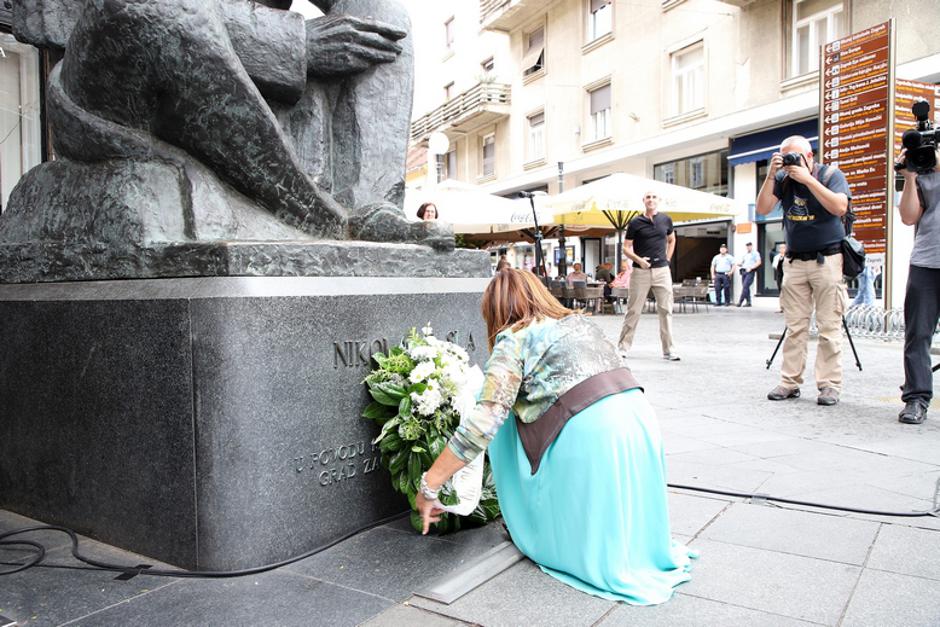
(183, 122)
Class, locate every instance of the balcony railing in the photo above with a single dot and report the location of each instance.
(481, 104)
(507, 15)
(489, 7)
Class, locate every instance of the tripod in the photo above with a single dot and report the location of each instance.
(845, 326)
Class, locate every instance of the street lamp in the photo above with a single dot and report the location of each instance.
(438, 143)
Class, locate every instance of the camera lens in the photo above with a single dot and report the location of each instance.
(911, 139)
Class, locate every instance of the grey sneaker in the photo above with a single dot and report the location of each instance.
(671, 357)
(781, 393)
(827, 396)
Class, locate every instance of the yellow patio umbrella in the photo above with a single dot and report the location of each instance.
(616, 199)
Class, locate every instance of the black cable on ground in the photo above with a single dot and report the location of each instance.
(777, 499)
(140, 570)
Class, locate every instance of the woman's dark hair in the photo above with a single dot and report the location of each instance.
(424, 207)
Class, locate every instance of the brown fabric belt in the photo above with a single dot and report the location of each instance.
(537, 436)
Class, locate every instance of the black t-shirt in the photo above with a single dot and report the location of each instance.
(649, 237)
(808, 226)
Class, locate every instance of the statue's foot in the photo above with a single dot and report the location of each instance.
(385, 222)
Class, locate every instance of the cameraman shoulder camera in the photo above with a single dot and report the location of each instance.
(813, 198)
(920, 207)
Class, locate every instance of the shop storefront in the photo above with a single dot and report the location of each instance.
(749, 156)
(21, 110)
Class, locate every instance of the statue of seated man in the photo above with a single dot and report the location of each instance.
(308, 119)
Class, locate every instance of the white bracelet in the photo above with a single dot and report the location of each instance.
(426, 490)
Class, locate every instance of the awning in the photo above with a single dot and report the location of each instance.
(761, 145)
(533, 58)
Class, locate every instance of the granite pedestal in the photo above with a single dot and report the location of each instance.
(212, 423)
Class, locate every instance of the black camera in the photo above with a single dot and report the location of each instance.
(920, 142)
(792, 158)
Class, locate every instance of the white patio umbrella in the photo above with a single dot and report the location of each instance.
(616, 199)
(472, 211)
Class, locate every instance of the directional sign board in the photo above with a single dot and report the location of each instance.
(854, 123)
(905, 95)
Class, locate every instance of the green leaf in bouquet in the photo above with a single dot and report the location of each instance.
(412, 496)
(417, 449)
(418, 388)
(426, 460)
(391, 443)
(404, 406)
(448, 498)
(393, 390)
(386, 429)
(411, 429)
(437, 446)
(414, 469)
(383, 397)
(416, 523)
(375, 411)
(403, 484)
(397, 462)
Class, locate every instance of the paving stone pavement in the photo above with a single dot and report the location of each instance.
(760, 564)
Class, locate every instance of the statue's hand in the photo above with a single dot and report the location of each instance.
(339, 45)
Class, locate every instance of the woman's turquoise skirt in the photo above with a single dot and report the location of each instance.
(595, 515)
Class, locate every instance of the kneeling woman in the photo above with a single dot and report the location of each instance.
(579, 468)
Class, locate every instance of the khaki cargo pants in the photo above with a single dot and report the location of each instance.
(807, 284)
(641, 282)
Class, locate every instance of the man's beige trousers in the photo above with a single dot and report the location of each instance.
(641, 282)
(805, 284)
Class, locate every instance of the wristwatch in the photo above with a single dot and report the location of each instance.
(426, 490)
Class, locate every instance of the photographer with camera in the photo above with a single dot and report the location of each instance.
(814, 199)
(920, 207)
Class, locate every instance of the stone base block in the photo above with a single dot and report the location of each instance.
(210, 423)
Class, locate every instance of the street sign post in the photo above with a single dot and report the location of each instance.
(856, 120)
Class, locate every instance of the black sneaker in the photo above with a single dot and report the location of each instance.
(914, 413)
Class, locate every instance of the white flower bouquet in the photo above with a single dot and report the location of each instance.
(420, 392)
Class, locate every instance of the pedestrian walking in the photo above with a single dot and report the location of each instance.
(920, 207)
(866, 286)
(814, 198)
(750, 262)
(722, 271)
(650, 242)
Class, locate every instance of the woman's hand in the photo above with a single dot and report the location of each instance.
(429, 513)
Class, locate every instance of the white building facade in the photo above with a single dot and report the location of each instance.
(692, 92)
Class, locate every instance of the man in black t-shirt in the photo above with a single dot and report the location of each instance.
(650, 242)
(814, 198)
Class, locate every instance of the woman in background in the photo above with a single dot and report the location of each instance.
(622, 280)
(427, 211)
(575, 448)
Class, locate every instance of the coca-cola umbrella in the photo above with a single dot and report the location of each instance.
(473, 211)
(616, 199)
